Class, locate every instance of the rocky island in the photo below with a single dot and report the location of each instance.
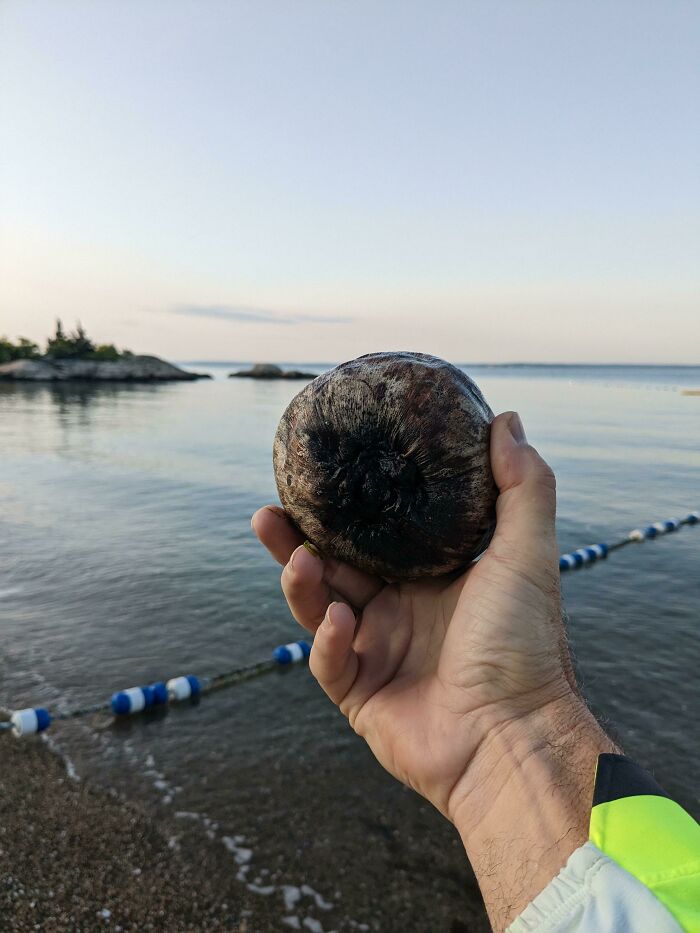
(271, 371)
(74, 356)
(129, 369)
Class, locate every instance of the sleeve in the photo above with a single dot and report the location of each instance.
(639, 870)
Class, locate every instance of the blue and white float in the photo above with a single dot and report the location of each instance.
(183, 688)
(135, 699)
(291, 653)
(30, 721)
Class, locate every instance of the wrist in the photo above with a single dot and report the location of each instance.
(523, 806)
(561, 735)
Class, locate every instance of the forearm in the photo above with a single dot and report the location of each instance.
(524, 805)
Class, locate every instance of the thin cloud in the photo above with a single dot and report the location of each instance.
(255, 315)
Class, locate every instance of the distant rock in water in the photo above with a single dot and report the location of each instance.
(270, 371)
(129, 369)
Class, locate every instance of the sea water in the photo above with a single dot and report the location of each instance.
(126, 556)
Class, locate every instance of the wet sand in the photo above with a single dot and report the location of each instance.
(77, 857)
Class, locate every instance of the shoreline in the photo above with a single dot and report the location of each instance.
(76, 857)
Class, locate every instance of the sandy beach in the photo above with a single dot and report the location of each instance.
(76, 858)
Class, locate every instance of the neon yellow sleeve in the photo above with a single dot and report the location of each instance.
(639, 870)
(635, 823)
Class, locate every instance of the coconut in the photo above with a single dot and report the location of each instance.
(383, 462)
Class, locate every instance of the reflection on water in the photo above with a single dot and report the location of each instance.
(71, 398)
(126, 556)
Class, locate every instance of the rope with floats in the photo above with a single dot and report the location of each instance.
(595, 552)
(134, 700)
(159, 694)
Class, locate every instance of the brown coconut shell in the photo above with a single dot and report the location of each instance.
(383, 462)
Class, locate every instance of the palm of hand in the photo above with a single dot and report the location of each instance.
(441, 663)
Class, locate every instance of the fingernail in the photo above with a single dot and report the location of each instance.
(309, 548)
(313, 550)
(330, 612)
(292, 556)
(516, 428)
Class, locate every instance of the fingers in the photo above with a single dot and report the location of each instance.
(333, 661)
(526, 504)
(282, 539)
(354, 585)
(307, 593)
(276, 532)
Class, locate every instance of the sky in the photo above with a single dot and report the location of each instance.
(312, 180)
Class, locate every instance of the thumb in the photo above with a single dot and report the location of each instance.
(526, 504)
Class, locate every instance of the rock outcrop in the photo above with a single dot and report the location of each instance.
(270, 371)
(129, 369)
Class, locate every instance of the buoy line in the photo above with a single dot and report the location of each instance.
(188, 687)
(161, 693)
(594, 552)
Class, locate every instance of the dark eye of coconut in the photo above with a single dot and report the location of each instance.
(370, 482)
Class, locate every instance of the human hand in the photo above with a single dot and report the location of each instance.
(455, 682)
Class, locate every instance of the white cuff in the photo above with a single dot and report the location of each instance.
(593, 894)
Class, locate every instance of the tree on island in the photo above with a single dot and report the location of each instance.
(24, 349)
(78, 346)
(62, 346)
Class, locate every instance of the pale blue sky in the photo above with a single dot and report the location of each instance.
(313, 180)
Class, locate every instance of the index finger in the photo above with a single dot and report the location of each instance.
(276, 531)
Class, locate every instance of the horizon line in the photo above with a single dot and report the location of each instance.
(512, 365)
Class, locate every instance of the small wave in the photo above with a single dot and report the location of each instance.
(294, 897)
(10, 591)
(68, 762)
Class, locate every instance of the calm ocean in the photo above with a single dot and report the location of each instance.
(126, 556)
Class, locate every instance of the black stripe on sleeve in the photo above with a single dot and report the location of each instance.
(619, 776)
